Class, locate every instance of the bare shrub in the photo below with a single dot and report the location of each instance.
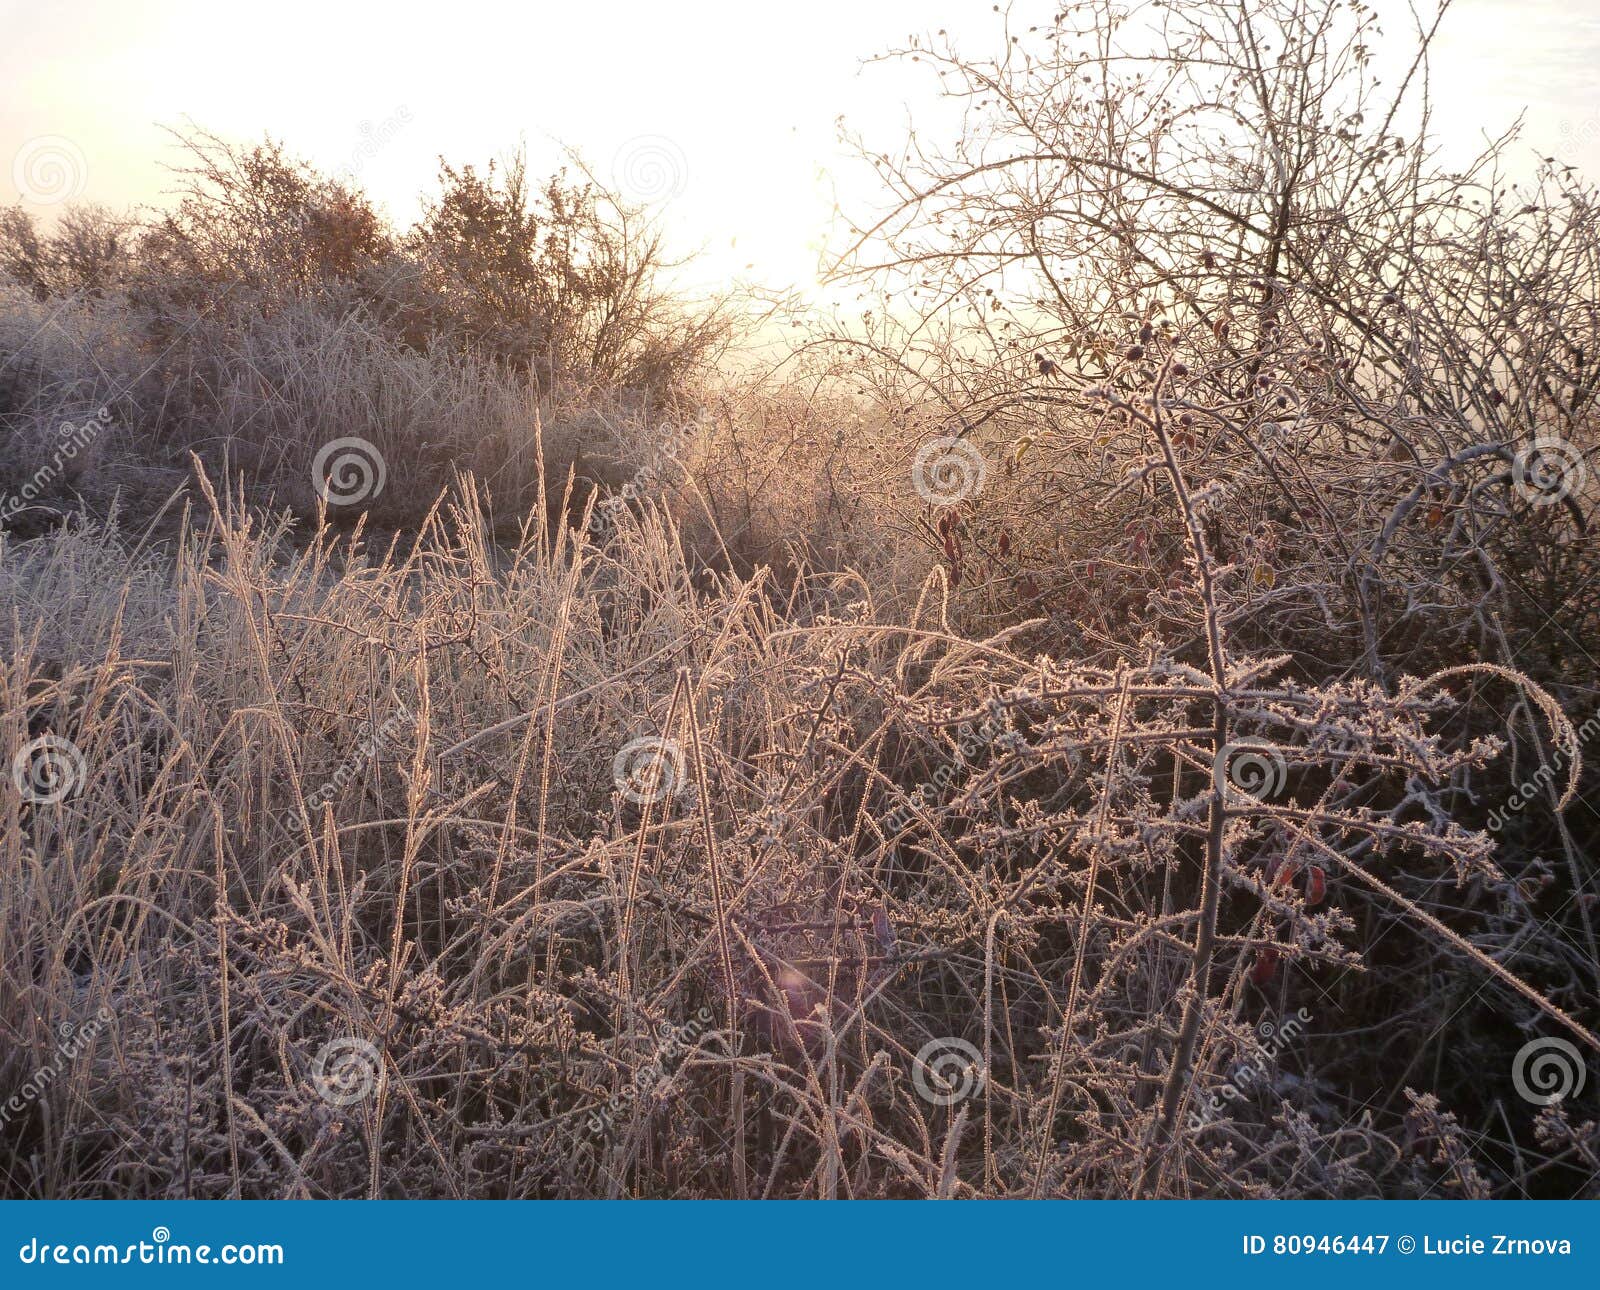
(1051, 745)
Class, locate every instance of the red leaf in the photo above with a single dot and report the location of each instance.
(1266, 966)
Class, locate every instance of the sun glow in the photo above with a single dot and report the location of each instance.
(723, 115)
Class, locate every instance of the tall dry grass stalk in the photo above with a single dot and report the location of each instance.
(477, 907)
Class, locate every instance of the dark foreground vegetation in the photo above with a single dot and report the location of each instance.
(1110, 717)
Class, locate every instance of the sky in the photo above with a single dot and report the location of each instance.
(723, 113)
